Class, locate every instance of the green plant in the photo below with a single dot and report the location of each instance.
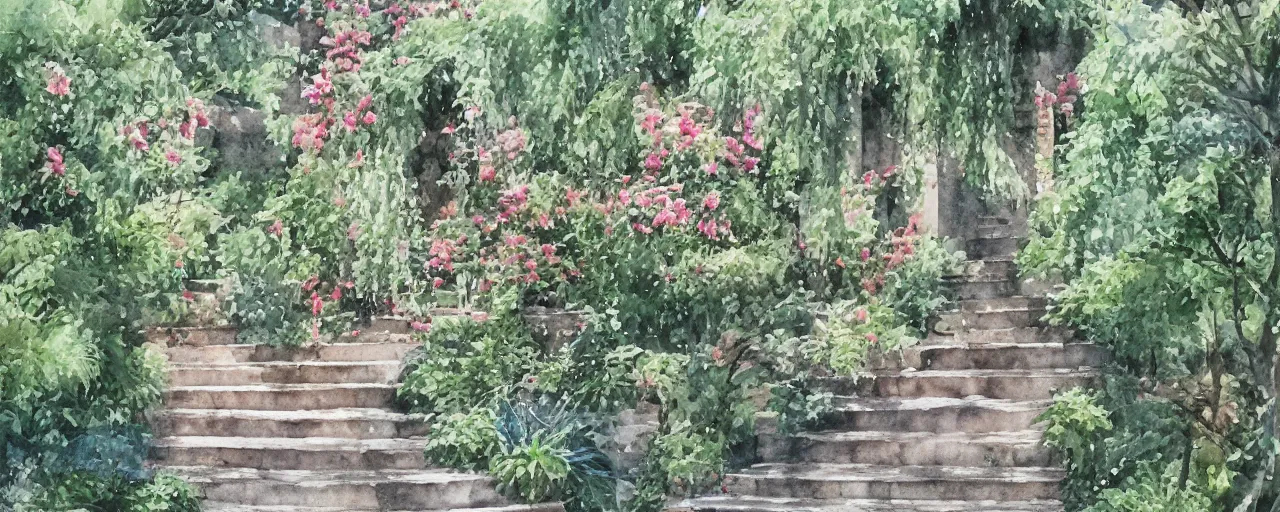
(463, 440)
(535, 471)
(466, 364)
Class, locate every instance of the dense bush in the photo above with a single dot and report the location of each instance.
(1164, 223)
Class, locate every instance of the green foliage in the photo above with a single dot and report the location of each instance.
(466, 364)
(463, 440)
(533, 472)
(1163, 221)
(1152, 492)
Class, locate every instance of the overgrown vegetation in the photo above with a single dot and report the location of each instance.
(1165, 224)
(692, 178)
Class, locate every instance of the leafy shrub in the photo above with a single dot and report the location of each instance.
(915, 290)
(464, 364)
(555, 444)
(1152, 492)
(534, 472)
(463, 440)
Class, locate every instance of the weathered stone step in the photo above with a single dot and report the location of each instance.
(994, 220)
(344, 423)
(314, 352)
(290, 453)
(1018, 335)
(828, 481)
(986, 270)
(280, 397)
(231, 507)
(1013, 356)
(1039, 384)
(1004, 449)
(998, 231)
(991, 248)
(1004, 304)
(301, 372)
(983, 287)
(989, 319)
(941, 415)
(423, 489)
(192, 336)
(760, 504)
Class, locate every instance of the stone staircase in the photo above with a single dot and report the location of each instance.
(306, 429)
(949, 429)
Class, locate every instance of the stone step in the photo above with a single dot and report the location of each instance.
(314, 352)
(999, 231)
(994, 220)
(290, 453)
(982, 287)
(280, 397)
(1002, 449)
(1004, 303)
(1039, 384)
(1013, 356)
(302, 372)
(761, 504)
(861, 481)
(343, 423)
(192, 336)
(1020, 335)
(934, 414)
(231, 507)
(423, 489)
(986, 270)
(989, 319)
(991, 248)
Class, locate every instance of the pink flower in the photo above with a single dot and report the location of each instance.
(355, 332)
(531, 264)
(653, 162)
(872, 338)
(712, 201)
(840, 262)
(55, 164)
(276, 228)
(337, 293)
(349, 121)
(866, 254)
(448, 130)
(488, 173)
(317, 304)
(139, 143)
(370, 118)
(479, 316)
(712, 168)
(358, 161)
(861, 315)
(749, 163)
(420, 326)
(709, 228)
(353, 231)
(188, 296)
(187, 130)
(624, 195)
(59, 84)
(867, 177)
(173, 157)
(437, 282)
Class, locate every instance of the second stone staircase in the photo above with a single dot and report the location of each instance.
(951, 429)
(306, 429)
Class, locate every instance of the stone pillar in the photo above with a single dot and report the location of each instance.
(930, 221)
(1044, 142)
